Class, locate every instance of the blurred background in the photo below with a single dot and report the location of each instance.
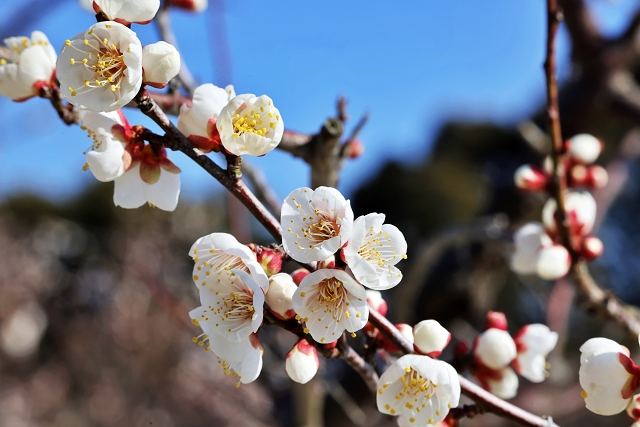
(94, 299)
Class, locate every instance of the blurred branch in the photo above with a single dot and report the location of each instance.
(65, 111)
(261, 187)
(599, 300)
(165, 30)
(431, 251)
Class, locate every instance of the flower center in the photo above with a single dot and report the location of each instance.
(255, 120)
(331, 290)
(377, 248)
(238, 305)
(323, 228)
(103, 59)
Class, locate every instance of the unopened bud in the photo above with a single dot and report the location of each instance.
(270, 260)
(633, 410)
(592, 248)
(375, 300)
(430, 337)
(354, 149)
(302, 362)
(553, 262)
(495, 349)
(161, 63)
(299, 274)
(584, 148)
(497, 320)
(530, 178)
(330, 262)
(594, 176)
(190, 5)
(280, 294)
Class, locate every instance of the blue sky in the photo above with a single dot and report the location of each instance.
(412, 67)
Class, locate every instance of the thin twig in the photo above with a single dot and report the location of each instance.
(482, 397)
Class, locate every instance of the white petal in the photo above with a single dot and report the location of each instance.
(164, 194)
(129, 10)
(584, 148)
(529, 240)
(11, 83)
(553, 262)
(279, 297)
(507, 386)
(105, 161)
(129, 189)
(535, 341)
(208, 101)
(302, 362)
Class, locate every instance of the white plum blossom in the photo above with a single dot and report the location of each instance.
(239, 359)
(503, 383)
(553, 262)
(534, 342)
(128, 11)
(373, 251)
(25, 64)
(107, 158)
(607, 376)
(197, 121)
(160, 63)
(218, 253)
(315, 223)
(250, 124)
(101, 69)
(234, 303)
(330, 302)
(418, 390)
(529, 240)
(302, 362)
(581, 210)
(495, 349)
(279, 297)
(154, 179)
(584, 148)
(430, 337)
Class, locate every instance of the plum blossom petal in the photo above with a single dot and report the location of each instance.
(534, 342)
(603, 378)
(221, 252)
(373, 251)
(131, 191)
(250, 124)
(128, 11)
(495, 349)
(302, 362)
(330, 302)
(279, 297)
(160, 63)
(316, 223)
(418, 389)
(101, 69)
(529, 240)
(430, 337)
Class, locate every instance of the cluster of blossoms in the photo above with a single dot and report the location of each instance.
(332, 299)
(102, 69)
(538, 248)
(499, 357)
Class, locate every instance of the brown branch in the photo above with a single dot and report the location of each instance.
(488, 401)
(598, 299)
(358, 364)
(583, 31)
(175, 140)
(65, 111)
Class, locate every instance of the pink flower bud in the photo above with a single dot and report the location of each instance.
(430, 337)
(633, 410)
(553, 262)
(375, 300)
(280, 294)
(496, 319)
(594, 176)
(584, 148)
(270, 260)
(190, 5)
(354, 149)
(299, 274)
(302, 362)
(327, 263)
(592, 248)
(530, 178)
